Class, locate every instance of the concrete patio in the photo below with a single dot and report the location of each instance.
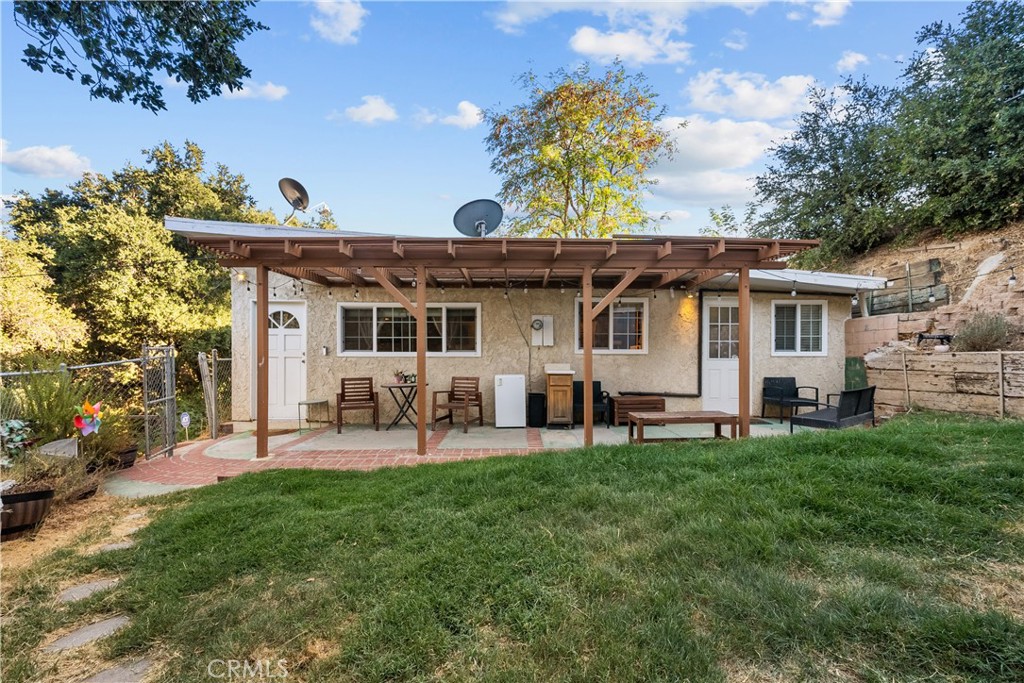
(359, 447)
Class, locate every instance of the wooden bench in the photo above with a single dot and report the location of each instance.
(715, 417)
(855, 406)
(624, 405)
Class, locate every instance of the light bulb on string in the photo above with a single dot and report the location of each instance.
(854, 300)
(672, 292)
(931, 296)
(689, 295)
(793, 291)
(561, 289)
(1013, 278)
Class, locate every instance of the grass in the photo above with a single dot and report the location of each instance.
(887, 554)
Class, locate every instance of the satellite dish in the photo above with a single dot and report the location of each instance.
(295, 194)
(478, 218)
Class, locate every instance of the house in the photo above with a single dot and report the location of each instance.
(669, 315)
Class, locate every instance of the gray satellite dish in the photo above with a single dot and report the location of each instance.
(295, 194)
(478, 218)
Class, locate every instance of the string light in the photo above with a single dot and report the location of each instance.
(689, 295)
(1013, 278)
(854, 300)
(505, 294)
(442, 290)
(561, 289)
(241, 276)
(525, 291)
(355, 293)
(931, 296)
(793, 292)
(655, 293)
(672, 292)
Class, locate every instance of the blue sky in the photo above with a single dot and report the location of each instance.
(373, 106)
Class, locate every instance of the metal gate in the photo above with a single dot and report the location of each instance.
(158, 400)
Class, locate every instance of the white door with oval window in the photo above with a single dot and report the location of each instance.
(286, 355)
(721, 365)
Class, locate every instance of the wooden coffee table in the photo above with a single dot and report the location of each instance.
(715, 417)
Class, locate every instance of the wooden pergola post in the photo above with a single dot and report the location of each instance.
(421, 360)
(588, 356)
(419, 312)
(262, 369)
(744, 340)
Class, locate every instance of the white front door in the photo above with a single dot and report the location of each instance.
(286, 353)
(720, 382)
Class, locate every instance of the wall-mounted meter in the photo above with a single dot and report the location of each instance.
(543, 330)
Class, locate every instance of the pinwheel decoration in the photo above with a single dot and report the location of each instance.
(88, 418)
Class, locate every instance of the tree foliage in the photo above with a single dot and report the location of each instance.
(962, 122)
(31, 320)
(573, 159)
(118, 49)
(944, 149)
(115, 267)
(836, 177)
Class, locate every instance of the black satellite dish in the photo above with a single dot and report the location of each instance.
(295, 194)
(478, 218)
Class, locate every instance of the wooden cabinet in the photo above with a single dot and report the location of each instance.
(560, 399)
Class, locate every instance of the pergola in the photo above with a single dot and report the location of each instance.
(334, 259)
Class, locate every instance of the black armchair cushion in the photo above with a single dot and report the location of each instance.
(602, 405)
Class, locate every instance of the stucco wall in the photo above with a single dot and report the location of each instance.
(671, 364)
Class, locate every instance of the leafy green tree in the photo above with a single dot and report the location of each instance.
(725, 223)
(31, 320)
(115, 266)
(118, 49)
(573, 160)
(836, 177)
(962, 123)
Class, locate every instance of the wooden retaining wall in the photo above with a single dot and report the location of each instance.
(982, 383)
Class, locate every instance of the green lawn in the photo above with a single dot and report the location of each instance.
(893, 553)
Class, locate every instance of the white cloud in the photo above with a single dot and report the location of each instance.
(424, 116)
(338, 22)
(736, 40)
(715, 161)
(829, 12)
(468, 116)
(634, 46)
(373, 110)
(794, 15)
(637, 32)
(748, 95)
(850, 61)
(251, 90)
(44, 162)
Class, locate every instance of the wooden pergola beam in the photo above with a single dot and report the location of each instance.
(704, 276)
(618, 289)
(384, 281)
(672, 276)
(466, 276)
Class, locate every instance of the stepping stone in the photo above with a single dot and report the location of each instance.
(87, 634)
(120, 545)
(136, 515)
(83, 591)
(125, 673)
(132, 530)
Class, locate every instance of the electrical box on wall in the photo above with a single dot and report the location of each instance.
(543, 330)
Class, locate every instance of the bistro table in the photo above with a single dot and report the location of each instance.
(404, 396)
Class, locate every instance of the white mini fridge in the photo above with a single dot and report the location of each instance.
(510, 400)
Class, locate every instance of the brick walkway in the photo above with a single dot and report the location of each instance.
(197, 464)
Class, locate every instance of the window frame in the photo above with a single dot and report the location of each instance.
(799, 304)
(374, 353)
(646, 334)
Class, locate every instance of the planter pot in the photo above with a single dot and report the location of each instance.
(126, 458)
(22, 512)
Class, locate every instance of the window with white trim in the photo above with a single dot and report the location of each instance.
(619, 328)
(389, 330)
(799, 328)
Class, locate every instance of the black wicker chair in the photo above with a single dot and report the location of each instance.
(602, 406)
(855, 406)
(784, 393)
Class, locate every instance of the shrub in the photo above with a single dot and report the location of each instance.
(983, 332)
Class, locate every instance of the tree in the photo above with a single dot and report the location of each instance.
(31, 320)
(117, 49)
(724, 222)
(115, 266)
(963, 119)
(573, 159)
(836, 177)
